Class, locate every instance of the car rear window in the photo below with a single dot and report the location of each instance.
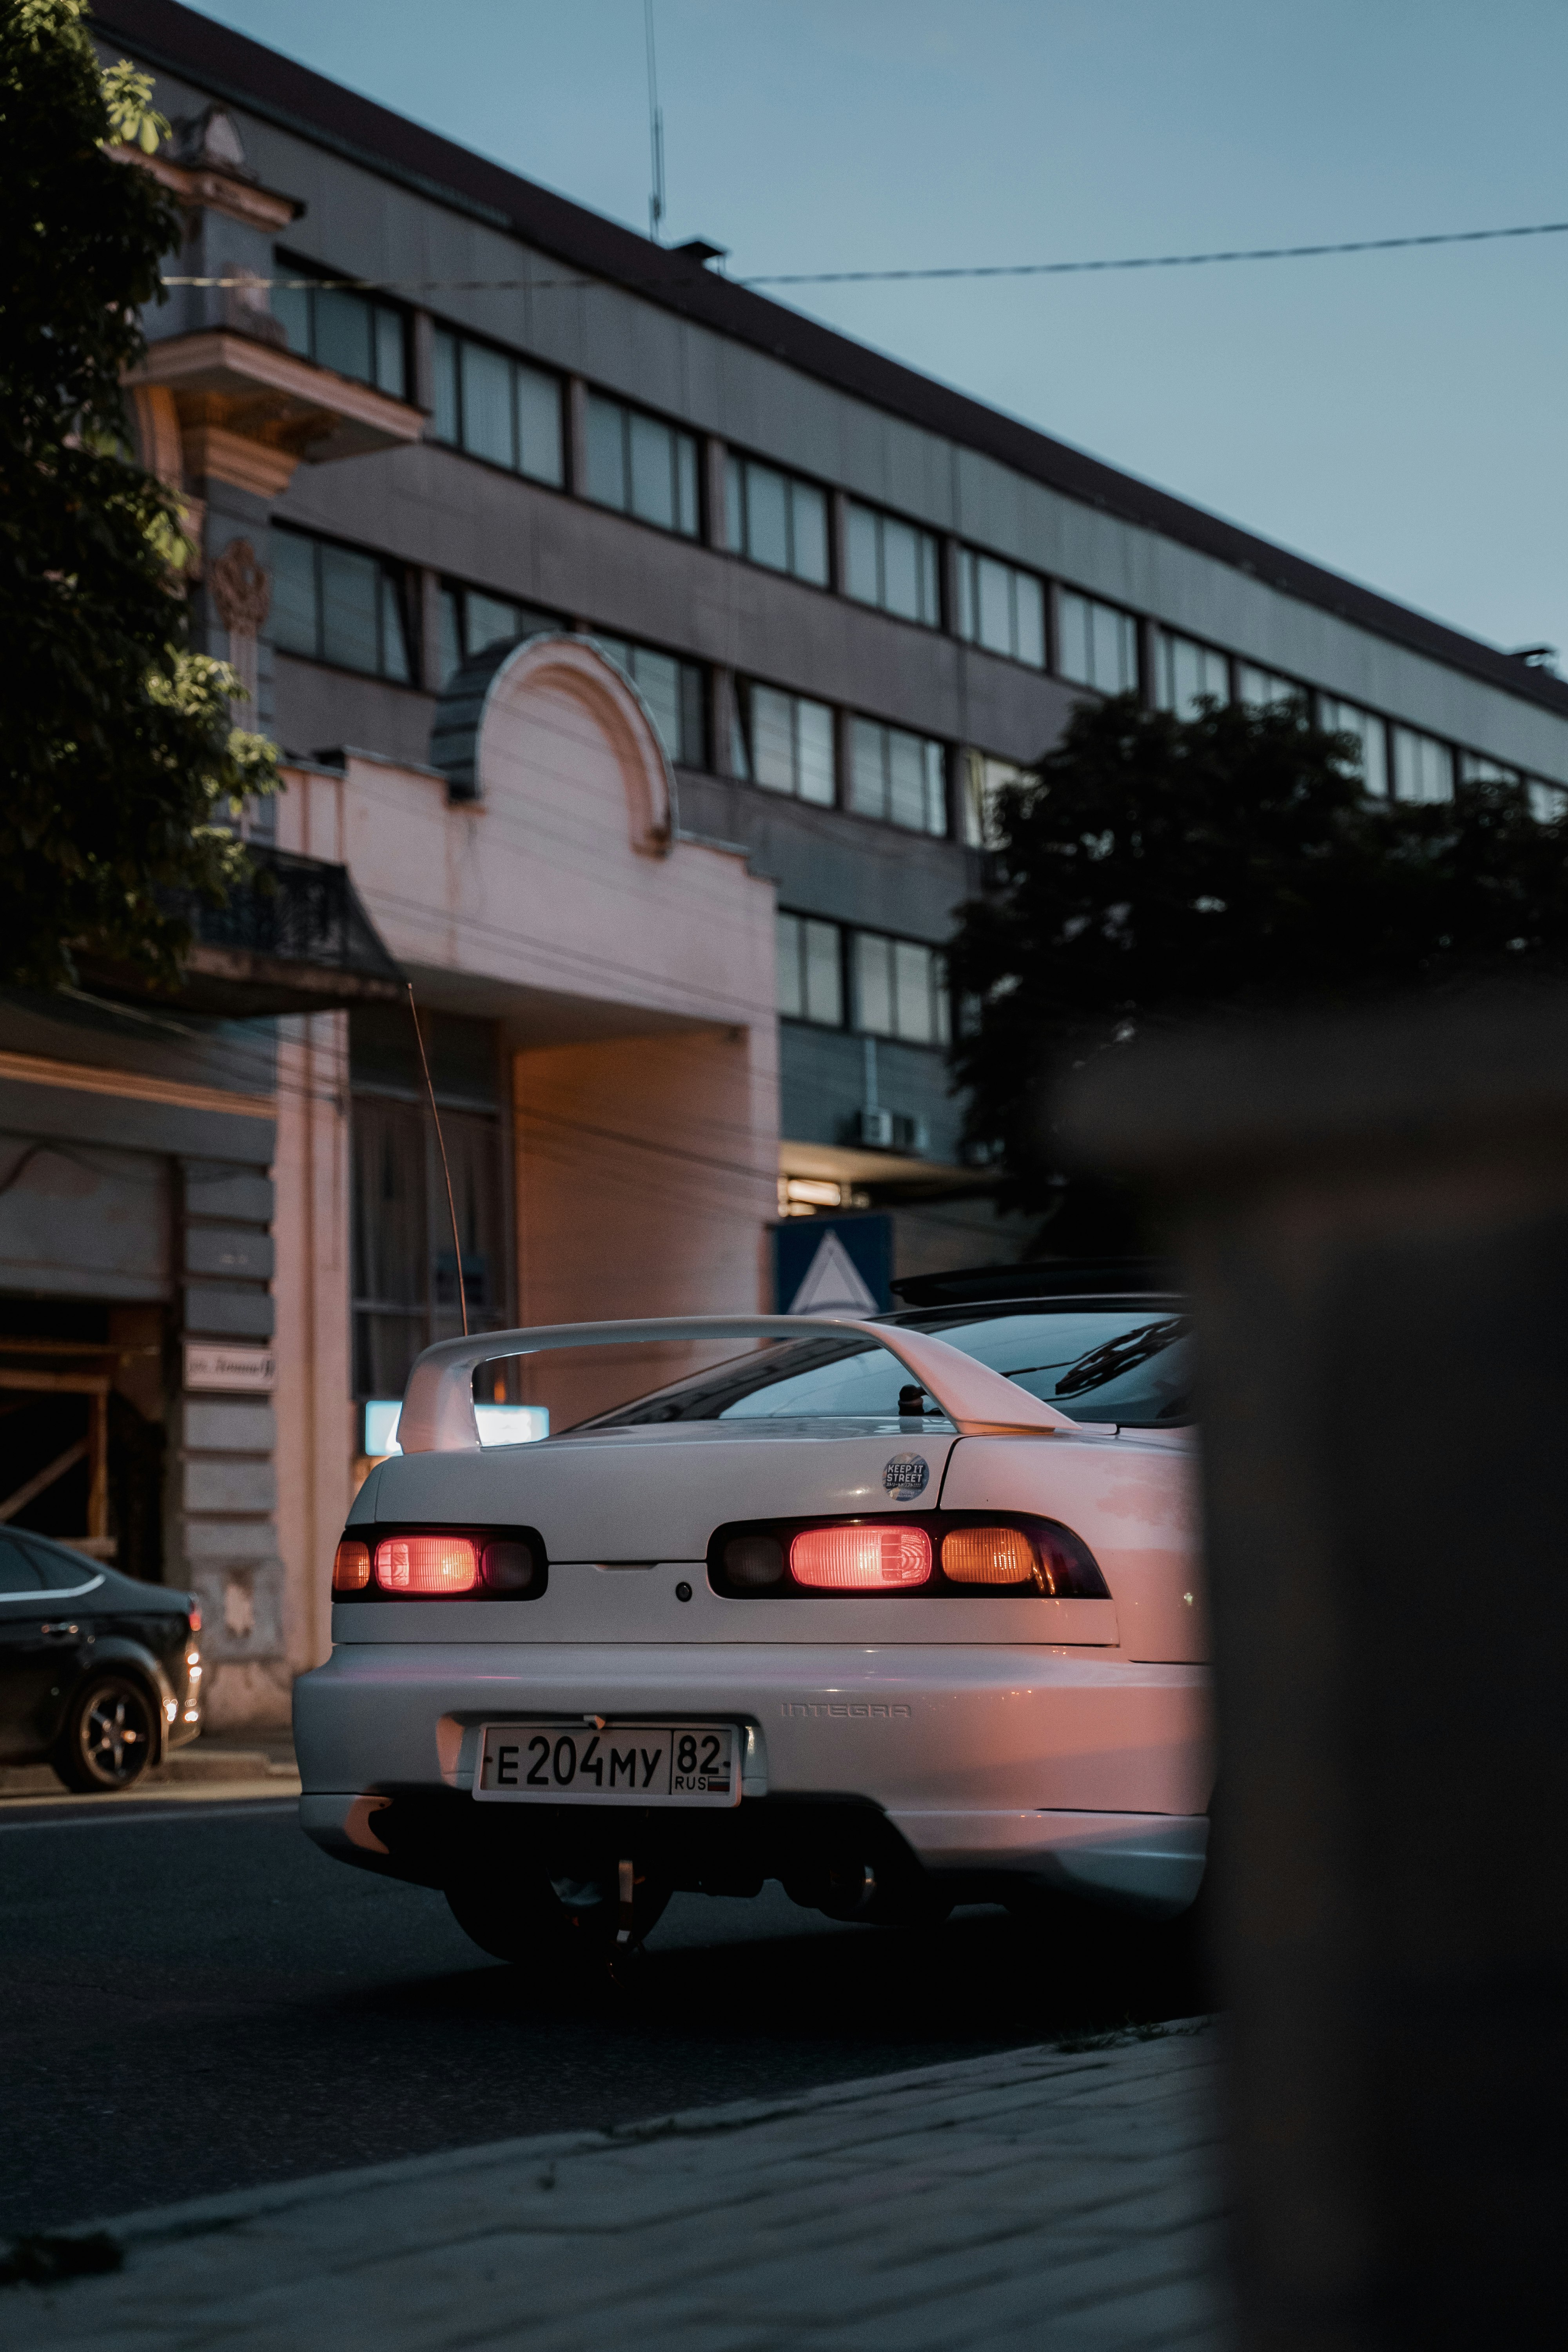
(1122, 1361)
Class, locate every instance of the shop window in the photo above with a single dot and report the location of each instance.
(783, 742)
(354, 334)
(1001, 608)
(675, 692)
(643, 466)
(810, 971)
(1096, 645)
(897, 777)
(336, 604)
(891, 564)
(498, 408)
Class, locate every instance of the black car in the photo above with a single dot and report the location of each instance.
(99, 1675)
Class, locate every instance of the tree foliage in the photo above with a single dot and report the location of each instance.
(119, 755)
(1153, 870)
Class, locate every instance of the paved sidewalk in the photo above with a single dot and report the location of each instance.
(1055, 2198)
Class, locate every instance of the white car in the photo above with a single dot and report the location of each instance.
(869, 1611)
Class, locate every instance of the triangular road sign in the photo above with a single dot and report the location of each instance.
(832, 1286)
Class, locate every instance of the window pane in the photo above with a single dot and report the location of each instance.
(291, 309)
(1189, 671)
(734, 510)
(823, 975)
(451, 646)
(539, 426)
(906, 780)
(486, 405)
(294, 594)
(658, 679)
(1548, 803)
(911, 991)
(1422, 767)
(901, 569)
(653, 478)
(342, 332)
(773, 748)
(1107, 657)
(792, 999)
(991, 587)
(813, 744)
(393, 642)
(1075, 654)
(983, 781)
(1262, 687)
(389, 351)
(966, 562)
(1475, 768)
(1031, 645)
(767, 518)
(739, 749)
(446, 387)
(686, 511)
(868, 786)
(349, 586)
(489, 621)
(1345, 718)
(873, 984)
(693, 715)
(936, 788)
(931, 592)
(607, 452)
(619, 652)
(810, 534)
(861, 575)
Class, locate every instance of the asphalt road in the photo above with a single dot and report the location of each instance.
(198, 2001)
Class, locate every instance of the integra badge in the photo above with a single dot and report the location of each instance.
(905, 1477)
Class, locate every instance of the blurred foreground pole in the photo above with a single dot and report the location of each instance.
(1373, 1219)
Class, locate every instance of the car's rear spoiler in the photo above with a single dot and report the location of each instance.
(437, 1414)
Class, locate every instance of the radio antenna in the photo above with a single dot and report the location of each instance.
(441, 1147)
(655, 131)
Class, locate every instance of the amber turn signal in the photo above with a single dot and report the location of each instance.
(988, 1556)
(351, 1568)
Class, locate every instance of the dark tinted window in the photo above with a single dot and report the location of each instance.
(1099, 1361)
(17, 1573)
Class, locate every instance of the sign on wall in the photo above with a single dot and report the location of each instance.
(832, 1265)
(209, 1364)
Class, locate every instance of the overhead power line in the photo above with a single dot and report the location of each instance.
(694, 275)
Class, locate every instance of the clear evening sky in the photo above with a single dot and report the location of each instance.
(1396, 415)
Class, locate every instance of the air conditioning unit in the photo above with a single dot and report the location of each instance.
(875, 1130)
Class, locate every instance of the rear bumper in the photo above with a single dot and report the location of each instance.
(1076, 1769)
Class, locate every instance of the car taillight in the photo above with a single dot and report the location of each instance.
(426, 1564)
(351, 1567)
(507, 1566)
(989, 1556)
(194, 1618)
(864, 1558)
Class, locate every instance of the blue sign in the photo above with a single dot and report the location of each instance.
(833, 1265)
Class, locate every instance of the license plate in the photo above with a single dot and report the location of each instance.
(624, 1764)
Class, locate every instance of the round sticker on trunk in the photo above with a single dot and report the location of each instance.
(905, 1477)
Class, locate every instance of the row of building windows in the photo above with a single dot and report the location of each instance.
(501, 409)
(339, 605)
(836, 978)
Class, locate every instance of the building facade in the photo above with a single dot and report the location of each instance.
(646, 656)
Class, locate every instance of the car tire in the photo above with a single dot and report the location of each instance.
(537, 1921)
(110, 1736)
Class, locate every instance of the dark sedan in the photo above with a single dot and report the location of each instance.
(99, 1675)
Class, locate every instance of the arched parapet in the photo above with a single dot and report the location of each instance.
(487, 702)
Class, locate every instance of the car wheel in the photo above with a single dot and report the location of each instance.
(109, 1736)
(540, 1922)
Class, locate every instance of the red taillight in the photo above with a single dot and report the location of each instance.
(194, 1618)
(861, 1559)
(351, 1567)
(426, 1564)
